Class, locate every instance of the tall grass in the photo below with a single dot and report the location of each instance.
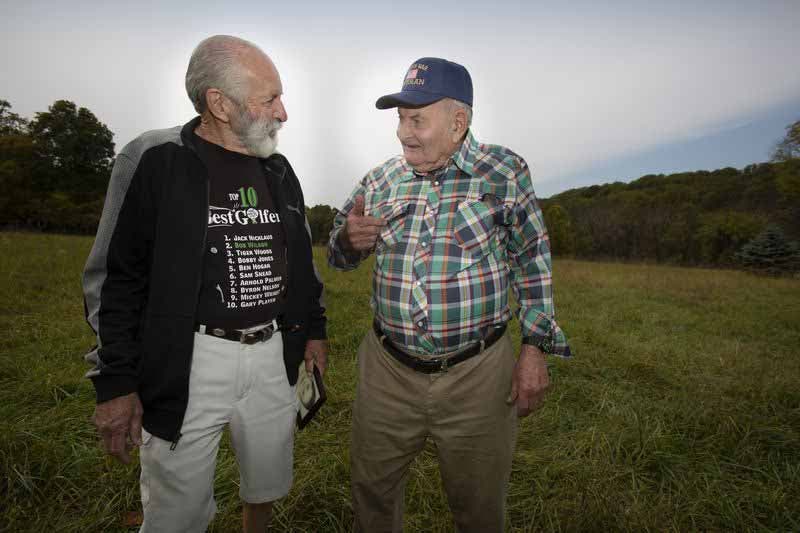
(681, 410)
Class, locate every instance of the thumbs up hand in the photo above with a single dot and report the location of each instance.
(360, 232)
(358, 208)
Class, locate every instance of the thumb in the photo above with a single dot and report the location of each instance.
(135, 429)
(358, 208)
(513, 396)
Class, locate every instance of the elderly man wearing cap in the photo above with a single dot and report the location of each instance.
(453, 223)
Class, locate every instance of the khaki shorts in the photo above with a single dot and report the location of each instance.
(240, 386)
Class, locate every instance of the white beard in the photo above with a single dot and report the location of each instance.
(259, 136)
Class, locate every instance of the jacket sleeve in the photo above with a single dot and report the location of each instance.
(115, 280)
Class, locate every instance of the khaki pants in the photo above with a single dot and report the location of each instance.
(463, 410)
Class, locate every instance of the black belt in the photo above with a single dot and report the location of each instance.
(245, 336)
(440, 364)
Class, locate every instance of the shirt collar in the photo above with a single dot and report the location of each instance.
(466, 156)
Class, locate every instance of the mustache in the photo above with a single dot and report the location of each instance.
(272, 126)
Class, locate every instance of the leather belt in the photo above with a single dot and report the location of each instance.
(245, 336)
(439, 364)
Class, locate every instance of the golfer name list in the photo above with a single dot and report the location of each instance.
(250, 276)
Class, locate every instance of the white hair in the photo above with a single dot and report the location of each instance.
(215, 63)
(463, 105)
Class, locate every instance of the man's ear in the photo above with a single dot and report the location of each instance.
(218, 105)
(459, 124)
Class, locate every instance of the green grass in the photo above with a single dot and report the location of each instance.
(681, 410)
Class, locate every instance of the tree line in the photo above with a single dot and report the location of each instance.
(54, 170)
(689, 218)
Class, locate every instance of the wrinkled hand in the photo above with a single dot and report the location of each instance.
(119, 422)
(316, 352)
(530, 380)
(360, 232)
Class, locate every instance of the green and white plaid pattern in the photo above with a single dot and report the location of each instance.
(454, 242)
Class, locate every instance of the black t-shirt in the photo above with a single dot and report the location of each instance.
(244, 267)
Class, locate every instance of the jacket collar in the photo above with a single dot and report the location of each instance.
(187, 134)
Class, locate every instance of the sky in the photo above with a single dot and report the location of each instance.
(587, 92)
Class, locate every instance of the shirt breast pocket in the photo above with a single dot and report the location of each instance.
(476, 225)
(395, 217)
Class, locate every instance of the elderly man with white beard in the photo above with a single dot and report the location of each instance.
(199, 324)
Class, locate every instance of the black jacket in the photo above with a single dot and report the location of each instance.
(142, 279)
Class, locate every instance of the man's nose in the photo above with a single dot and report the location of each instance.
(280, 111)
(402, 131)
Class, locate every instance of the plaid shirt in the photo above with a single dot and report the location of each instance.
(454, 241)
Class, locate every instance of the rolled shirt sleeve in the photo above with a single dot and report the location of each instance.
(531, 271)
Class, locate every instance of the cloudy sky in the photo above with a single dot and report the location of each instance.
(588, 92)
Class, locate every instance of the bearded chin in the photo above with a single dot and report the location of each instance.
(262, 145)
(260, 137)
(261, 141)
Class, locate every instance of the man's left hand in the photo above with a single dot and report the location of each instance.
(530, 380)
(316, 352)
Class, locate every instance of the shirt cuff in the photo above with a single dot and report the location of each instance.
(341, 259)
(546, 335)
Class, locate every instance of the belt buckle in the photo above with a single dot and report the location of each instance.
(444, 365)
(260, 335)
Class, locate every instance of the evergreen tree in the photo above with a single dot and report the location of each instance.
(770, 252)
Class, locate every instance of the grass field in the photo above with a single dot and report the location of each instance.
(681, 410)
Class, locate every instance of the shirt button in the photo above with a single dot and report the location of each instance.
(213, 249)
(424, 244)
(436, 183)
(421, 323)
(419, 283)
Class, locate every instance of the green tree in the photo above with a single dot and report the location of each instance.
(74, 151)
(789, 147)
(320, 220)
(11, 123)
(788, 181)
(770, 252)
(16, 175)
(16, 166)
(54, 169)
(559, 228)
(722, 233)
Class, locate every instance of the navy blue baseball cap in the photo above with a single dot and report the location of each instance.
(428, 80)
